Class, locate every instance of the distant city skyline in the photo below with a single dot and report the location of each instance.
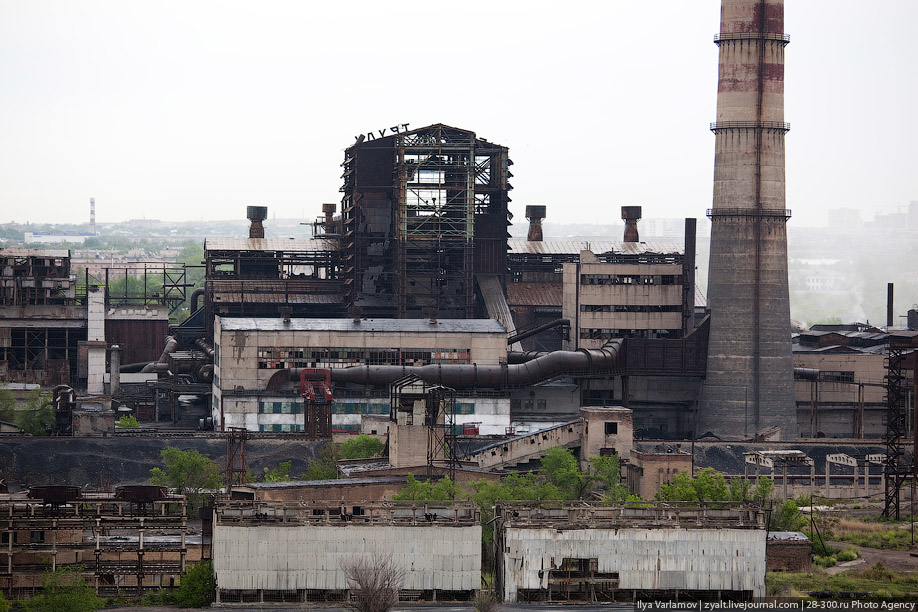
(189, 111)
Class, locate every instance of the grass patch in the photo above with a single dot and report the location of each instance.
(890, 539)
(878, 582)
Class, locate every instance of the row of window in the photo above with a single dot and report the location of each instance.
(527, 404)
(594, 333)
(631, 279)
(337, 408)
(353, 407)
(279, 358)
(629, 308)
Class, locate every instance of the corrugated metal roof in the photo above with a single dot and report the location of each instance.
(18, 252)
(294, 484)
(269, 244)
(787, 536)
(534, 294)
(561, 247)
(475, 326)
(277, 298)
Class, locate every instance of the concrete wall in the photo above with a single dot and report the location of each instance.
(597, 440)
(310, 557)
(647, 471)
(408, 445)
(645, 559)
(577, 295)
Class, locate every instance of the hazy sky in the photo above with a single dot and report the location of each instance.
(182, 110)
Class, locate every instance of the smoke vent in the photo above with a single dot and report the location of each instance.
(631, 215)
(535, 214)
(256, 214)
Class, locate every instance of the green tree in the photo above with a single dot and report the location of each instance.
(4, 604)
(197, 587)
(607, 472)
(707, 485)
(279, 474)
(188, 472)
(362, 447)
(441, 490)
(324, 467)
(38, 417)
(64, 589)
(559, 467)
(787, 517)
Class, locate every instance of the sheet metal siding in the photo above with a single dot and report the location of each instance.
(693, 559)
(310, 557)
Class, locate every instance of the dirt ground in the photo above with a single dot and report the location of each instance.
(896, 560)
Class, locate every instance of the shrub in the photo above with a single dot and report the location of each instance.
(824, 561)
(128, 421)
(64, 589)
(197, 587)
(849, 554)
(362, 447)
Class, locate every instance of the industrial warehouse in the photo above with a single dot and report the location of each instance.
(411, 316)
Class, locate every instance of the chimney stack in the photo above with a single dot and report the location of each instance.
(631, 215)
(92, 216)
(750, 372)
(890, 317)
(535, 214)
(329, 209)
(256, 214)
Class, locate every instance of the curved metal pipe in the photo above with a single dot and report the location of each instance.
(171, 344)
(197, 293)
(540, 368)
(205, 346)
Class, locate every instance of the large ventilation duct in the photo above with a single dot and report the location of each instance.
(542, 367)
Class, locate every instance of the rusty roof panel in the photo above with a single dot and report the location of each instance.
(269, 244)
(561, 247)
(534, 294)
(48, 253)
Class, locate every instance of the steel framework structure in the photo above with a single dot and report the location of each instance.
(898, 467)
(423, 212)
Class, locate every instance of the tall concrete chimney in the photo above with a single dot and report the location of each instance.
(631, 215)
(535, 214)
(92, 216)
(256, 214)
(750, 381)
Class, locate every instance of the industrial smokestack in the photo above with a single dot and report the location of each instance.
(92, 216)
(535, 214)
(329, 209)
(631, 215)
(256, 214)
(114, 368)
(889, 306)
(749, 350)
